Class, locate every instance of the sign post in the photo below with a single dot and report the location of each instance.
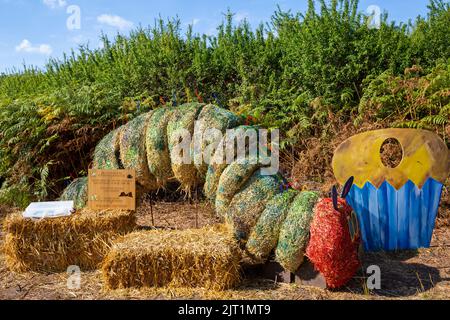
(112, 189)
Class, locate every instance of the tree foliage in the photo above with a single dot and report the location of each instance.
(291, 73)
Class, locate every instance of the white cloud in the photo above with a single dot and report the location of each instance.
(53, 4)
(195, 21)
(27, 46)
(115, 21)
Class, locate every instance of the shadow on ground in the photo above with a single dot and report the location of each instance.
(398, 277)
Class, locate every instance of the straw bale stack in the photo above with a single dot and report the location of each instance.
(207, 258)
(52, 245)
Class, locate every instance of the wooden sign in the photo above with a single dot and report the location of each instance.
(112, 189)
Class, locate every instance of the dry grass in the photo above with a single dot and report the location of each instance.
(443, 219)
(391, 153)
(207, 258)
(400, 273)
(310, 165)
(177, 215)
(52, 245)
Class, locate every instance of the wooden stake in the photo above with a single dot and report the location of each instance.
(151, 210)
(196, 209)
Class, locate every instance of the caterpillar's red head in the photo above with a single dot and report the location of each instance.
(332, 248)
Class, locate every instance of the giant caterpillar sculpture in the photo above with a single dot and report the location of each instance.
(263, 215)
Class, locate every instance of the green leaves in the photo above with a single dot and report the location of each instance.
(296, 73)
(414, 101)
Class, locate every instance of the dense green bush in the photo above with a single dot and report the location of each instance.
(430, 40)
(292, 73)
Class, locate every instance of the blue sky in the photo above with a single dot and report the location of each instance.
(31, 31)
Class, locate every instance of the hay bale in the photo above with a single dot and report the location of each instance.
(183, 119)
(248, 204)
(294, 233)
(52, 245)
(212, 179)
(77, 192)
(264, 236)
(133, 153)
(219, 161)
(107, 152)
(231, 182)
(207, 258)
(211, 117)
(158, 155)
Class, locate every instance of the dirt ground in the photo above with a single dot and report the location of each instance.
(422, 274)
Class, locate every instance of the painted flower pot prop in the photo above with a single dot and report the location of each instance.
(396, 205)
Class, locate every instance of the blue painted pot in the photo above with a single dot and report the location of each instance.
(393, 219)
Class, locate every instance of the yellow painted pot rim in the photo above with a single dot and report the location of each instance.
(425, 155)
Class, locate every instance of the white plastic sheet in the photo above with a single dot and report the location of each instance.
(56, 209)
